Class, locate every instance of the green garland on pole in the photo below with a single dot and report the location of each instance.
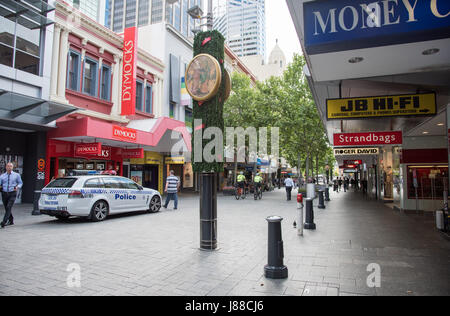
(211, 111)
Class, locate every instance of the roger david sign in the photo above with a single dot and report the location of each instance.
(129, 71)
(356, 151)
(368, 139)
(382, 106)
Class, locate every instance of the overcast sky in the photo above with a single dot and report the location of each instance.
(279, 25)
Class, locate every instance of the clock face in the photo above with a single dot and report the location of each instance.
(203, 77)
(227, 85)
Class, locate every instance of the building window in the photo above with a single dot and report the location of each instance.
(108, 13)
(118, 15)
(157, 11)
(148, 99)
(177, 16)
(130, 14)
(19, 46)
(105, 84)
(73, 73)
(143, 12)
(139, 98)
(90, 77)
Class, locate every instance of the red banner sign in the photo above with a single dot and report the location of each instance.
(352, 162)
(129, 71)
(125, 134)
(91, 149)
(368, 139)
(133, 153)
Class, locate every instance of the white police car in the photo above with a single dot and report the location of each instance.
(96, 197)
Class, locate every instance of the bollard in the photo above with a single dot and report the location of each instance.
(309, 218)
(321, 200)
(300, 214)
(275, 268)
(327, 194)
(37, 196)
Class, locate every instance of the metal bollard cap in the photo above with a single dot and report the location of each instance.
(274, 219)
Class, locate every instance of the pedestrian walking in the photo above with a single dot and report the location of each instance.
(10, 184)
(340, 184)
(289, 184)
(172, 186)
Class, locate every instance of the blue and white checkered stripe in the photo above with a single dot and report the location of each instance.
(56, 191)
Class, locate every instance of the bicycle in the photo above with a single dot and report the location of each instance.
(240, 193)
(257, 192)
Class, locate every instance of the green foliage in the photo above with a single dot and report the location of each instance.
(211, 111)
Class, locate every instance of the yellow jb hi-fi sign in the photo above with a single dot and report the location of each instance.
(382, 106)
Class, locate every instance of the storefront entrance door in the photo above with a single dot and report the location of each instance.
(151, 177)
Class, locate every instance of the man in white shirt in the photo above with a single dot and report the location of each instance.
(289, 184)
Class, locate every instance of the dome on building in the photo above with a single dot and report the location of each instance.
(277, 56)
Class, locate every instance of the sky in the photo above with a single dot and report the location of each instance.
(279, 25)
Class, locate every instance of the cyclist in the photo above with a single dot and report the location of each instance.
(257, 180)
(241, 181)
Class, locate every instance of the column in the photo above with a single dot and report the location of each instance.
(115, 96)
(62, 71)
(55, 59)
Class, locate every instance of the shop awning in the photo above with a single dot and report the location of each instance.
(29, 113)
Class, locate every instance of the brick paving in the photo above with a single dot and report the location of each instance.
(157, 254)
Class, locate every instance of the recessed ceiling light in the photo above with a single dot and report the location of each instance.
(431, 51)
(355, 60)
(440, 124)
(425, 132)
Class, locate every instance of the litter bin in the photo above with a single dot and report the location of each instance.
(37, 196)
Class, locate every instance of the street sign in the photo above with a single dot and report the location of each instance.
(382, 106)
(356, 151)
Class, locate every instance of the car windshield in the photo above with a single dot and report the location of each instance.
(62, 183)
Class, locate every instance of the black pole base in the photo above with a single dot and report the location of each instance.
(36, 212)
(321, 206)
(327, 200)
(275, 272)
(311, 226)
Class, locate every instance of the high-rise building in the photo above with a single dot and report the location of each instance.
(243, 24)
(95, 9)
(121, 14)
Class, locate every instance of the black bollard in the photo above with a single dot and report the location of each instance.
(37, 196)
(327, 194)
(321, 200)
(208, 212)
(309, 219)
(275, 268)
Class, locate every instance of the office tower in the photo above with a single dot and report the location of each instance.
(242, 23)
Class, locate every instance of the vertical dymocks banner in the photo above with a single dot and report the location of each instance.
(129, 71)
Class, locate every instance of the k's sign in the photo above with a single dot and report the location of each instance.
(368, 139)
(332, 26)
(129, 71)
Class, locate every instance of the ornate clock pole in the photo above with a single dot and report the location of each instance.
(208, 86)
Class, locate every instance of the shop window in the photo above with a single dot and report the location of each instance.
(148, 99)
(139, 98)
(6, 55)
(172, 110)
(105, 85)
(73, 76)
(90, 77)
(430, 182)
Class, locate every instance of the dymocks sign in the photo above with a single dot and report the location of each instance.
(129, 71)
(124, 134)
(332, 26)
(368, 139)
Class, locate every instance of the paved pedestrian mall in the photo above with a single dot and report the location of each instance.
(157, 254)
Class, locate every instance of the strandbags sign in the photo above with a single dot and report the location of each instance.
(129, 71)
(382, 106)
(356, 151)
(332, 26)
(368, 139)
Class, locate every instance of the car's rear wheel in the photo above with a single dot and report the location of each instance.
(155, 204)
(99, 211)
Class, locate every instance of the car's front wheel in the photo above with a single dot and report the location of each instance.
(99, 211)
(155, 204)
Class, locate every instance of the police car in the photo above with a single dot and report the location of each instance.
(96, 197)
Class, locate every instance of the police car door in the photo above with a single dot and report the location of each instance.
(116, 194)
(141, 202)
